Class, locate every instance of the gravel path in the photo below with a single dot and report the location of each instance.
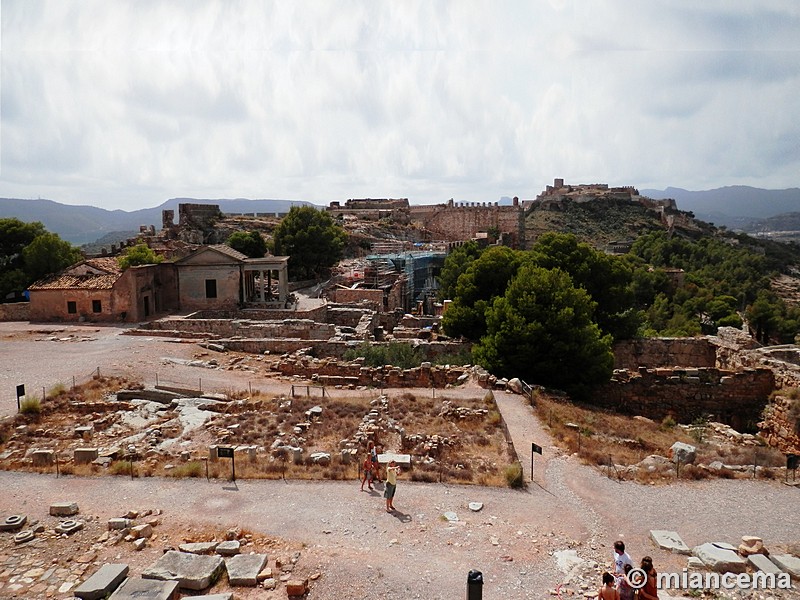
(363, 552)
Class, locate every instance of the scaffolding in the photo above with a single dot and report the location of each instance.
(420, 270)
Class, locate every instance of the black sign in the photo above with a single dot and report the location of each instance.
(536, 448)
(225, 452)
(792, 462)
(20, 390)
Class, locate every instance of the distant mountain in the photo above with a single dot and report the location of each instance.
(734, 207)
(85, 224)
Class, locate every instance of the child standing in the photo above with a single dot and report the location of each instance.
(367, 474)
(608, 591)
(624, 586)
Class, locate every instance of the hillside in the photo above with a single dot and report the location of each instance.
(600, 223)
(732, 206)
(86, 224)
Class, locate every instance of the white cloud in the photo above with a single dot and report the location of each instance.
(125, 104)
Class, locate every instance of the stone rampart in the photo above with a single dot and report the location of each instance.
(733, 397)
(15, 311)
(664, 352)
(465, 222)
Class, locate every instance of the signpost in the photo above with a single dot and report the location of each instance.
(792, 463)
(227, 452)
(535, 449)
(20, 394)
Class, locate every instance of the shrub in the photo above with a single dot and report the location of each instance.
(668, 423)
(190, 469)
(30, 406)
(514, 476)
(56, 390)
(123, 467)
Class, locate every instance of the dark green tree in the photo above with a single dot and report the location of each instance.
(542, 331)
(607, 279)
(311, 239)
(47, 254)
(456, 263)
(140, 254)
(250, 243)
(485, 279)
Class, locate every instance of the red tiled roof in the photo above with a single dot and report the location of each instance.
(91, 274)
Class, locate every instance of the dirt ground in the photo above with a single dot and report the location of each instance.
(348, 546)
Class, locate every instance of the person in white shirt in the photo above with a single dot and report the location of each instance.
(621, 558)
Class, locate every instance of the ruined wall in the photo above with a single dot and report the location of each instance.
(15, 311)
(348, 296)
(664, 352)
(464, 222)
(780, 428)
(733, 397)
(328, 348)
(296, 329)
(331, 372)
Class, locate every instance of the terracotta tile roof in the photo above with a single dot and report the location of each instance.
(227, 250)
(92, 274)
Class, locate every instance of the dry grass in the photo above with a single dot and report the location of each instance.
(471, 449)
(603, 439)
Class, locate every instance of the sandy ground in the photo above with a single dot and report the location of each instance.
(345, 535)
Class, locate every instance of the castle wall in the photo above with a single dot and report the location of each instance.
(465, 222)
(664, 352)
(733, 397)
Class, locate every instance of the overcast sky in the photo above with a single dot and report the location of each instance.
(126, 104)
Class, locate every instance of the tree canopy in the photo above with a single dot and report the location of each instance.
(542, 330)
(250, 243)
(311, 239)
(29, 252)
(140, 254)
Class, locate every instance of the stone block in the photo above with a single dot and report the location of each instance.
(720, 559)
(43, 458)
(790, 564)
(145, 589)
(669, 540)
(191, 571)
(84, 456)
(64, 509)
(119, 523)
(198, 547)
(243, 569)
(228, 548)
(13, 522)
(762, 563)
(296, 587)
(104, 581)
(142, 531)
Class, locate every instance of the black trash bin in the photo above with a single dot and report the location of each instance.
(475, 585)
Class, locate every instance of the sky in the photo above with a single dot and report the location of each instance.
(124, 104)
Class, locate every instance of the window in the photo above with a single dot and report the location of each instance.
(72, 308)
(211, 288)
(97, 306)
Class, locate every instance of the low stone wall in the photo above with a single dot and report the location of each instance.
(304, 329)
(779, 427)
(332, 372)
(15, 311)
(263, 314)
(664, 352)
(733, 397)
(327, 348)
